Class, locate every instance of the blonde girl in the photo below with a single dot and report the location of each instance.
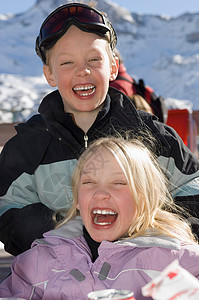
(131, 231)
(156, 212)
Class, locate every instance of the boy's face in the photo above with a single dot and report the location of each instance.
(80, 66)
(105, 200)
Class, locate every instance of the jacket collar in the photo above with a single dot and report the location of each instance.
(74, 229)
(52, 108)
(161, 241)
(117, 115)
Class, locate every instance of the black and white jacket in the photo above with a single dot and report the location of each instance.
(36, 165)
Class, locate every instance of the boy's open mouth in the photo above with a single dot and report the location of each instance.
(84, 91)
(104, 217)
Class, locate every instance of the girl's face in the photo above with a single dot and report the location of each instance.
(104, 198)
(80, 66)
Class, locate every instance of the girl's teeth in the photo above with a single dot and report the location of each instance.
(104, 212)
(104, 217)
(95, 221)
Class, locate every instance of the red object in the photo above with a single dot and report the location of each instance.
(179, 120)
(184, 124)
(122, 85)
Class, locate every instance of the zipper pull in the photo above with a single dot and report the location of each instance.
(85, 141)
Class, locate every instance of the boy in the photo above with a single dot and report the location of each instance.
(75, 44)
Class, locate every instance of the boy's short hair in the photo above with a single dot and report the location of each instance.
(81, 15)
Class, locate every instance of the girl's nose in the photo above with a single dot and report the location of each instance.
(101, 195)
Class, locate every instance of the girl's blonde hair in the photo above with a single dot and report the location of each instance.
(156, 210)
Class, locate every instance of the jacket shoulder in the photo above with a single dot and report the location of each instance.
(35, 122)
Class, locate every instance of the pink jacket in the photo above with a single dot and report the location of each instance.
(61, 268)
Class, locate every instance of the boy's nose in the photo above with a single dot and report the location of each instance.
(83, 71)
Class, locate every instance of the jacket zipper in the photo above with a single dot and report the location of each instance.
(85, 141)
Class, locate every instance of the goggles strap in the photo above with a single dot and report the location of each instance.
(68, 15)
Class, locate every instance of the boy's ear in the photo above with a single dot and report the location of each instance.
(49, 76)
(114, 68)
(77, 206)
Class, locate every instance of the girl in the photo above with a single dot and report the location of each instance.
(130, 233)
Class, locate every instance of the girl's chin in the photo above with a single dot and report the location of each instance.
(99, 239)
(101, 233)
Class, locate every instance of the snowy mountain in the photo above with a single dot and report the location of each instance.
(164, 51)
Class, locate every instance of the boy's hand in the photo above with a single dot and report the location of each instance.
(20, 227)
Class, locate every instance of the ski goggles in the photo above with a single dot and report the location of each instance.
(83, 16)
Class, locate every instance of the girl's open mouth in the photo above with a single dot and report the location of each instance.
(84, 91)
(104, 217)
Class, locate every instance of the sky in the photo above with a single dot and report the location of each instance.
(171, 8)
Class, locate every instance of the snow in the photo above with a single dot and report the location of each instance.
(163, 51)
(20, 96)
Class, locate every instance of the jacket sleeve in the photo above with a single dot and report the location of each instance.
(28, 279)
(177, 161)
(19, 158)
(23, 216)
(20, 227)
(180, 166)
(15, 286)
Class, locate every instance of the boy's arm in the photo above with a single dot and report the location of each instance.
(23, 216)
(177, 161)
(192, 204)
(182, 170)
(19, 227)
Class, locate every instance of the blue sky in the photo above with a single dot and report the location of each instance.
(169, 7)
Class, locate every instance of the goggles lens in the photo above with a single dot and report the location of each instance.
(86, 15)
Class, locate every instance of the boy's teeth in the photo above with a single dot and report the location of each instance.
(84, 88)
(88, 94)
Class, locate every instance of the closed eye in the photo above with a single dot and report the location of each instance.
(66, 63)
(120, 183)
(95, 59)
(87, 181)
